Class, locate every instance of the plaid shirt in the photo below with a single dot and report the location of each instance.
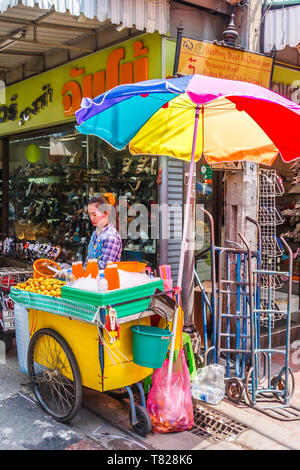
(105, 246)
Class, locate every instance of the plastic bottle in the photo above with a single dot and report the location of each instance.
(208, 394)
(87, 271)
(79, 269)
(91, 269)
(94, 269)
(102, 284)
(70, 279)
(75, 269)
(209, 385)
(111, 274)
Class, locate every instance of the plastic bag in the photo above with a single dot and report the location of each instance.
(169, 401)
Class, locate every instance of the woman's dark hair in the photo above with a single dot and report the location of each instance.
(99, 200)
(103, 205)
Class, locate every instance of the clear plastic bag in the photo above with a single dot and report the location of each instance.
(169, 401)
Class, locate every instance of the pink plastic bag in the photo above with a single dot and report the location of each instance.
(169, 401)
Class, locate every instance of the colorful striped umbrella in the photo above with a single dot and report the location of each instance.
(186, 117)
(239, 120)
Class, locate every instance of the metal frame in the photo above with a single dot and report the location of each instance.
(246, 287)
(233, 286)
(6, 276)
(281, 386)
(206, 303)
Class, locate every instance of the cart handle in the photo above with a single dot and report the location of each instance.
(167, 328)
(259, 236)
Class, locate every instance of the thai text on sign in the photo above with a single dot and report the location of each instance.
(115, 74)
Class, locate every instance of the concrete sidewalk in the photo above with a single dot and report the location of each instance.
(265, 432)
(261, 432)
(103, 422)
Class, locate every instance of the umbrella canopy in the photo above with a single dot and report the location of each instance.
(238, 120)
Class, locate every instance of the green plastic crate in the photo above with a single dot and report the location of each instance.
(115, 297)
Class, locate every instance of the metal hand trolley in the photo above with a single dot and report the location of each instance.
(70, 348)
(232, 339)
(209, 306)
(252, 365)
(271, 396)
(235, 323)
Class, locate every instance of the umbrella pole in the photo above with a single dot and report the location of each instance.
(184, 236)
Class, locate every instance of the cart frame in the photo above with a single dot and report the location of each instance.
(44, 374)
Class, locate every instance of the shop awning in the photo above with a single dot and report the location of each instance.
(30, 30)
(151, 15)
(282, 27)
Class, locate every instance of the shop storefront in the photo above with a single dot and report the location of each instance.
(286, 82)
(52, 170)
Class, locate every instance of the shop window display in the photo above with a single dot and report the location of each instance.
(52, 178)
(290, 211)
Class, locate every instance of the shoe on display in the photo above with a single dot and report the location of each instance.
(144, 165)
(137, 186)
(126, 165)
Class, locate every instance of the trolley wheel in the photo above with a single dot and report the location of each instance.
(234, 390)
(55, 375)
(144, 424)
(278, 382)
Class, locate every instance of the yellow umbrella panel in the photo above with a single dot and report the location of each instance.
(229, 135)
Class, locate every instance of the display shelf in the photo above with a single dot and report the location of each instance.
(51, 202)
(270, 186)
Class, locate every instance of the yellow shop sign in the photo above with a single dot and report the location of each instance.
(115, 74)
(224, 62)
(53, 97)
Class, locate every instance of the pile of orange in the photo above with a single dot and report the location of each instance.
(42, 285)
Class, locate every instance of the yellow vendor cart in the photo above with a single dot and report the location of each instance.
(71, 346)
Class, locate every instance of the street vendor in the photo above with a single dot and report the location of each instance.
(105, 242)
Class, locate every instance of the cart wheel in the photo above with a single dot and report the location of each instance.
(55, 375)
(144, 425)
(234, 390)
(278, 382)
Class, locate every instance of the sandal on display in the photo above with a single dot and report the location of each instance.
(144, 165)
(126, 165)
